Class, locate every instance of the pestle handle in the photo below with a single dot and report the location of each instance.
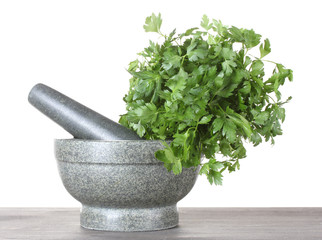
(75, 118)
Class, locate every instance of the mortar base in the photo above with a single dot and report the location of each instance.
(129, 219)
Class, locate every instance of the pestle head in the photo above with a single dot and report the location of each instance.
(79, 120)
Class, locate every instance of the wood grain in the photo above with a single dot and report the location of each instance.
(195, 223)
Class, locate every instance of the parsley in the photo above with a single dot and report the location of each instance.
(204, 91)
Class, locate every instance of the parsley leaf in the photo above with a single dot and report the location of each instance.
(205, 23)
(265, 49)
(153, 23)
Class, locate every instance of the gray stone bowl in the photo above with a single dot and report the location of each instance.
(121, 185)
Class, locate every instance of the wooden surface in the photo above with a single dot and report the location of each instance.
(195, 223)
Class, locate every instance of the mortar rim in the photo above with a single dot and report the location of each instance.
(108, 141)
(107, 152)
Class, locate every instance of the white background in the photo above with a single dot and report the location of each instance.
(82, 48)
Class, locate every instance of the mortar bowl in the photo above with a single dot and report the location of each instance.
(121, 185)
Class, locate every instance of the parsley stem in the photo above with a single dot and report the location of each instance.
(264, 60)
(221, 108)
(183, 59)
(162, 34)
(269, 61)
(223, 169)
(271, 98)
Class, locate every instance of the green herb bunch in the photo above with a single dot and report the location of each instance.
(205, 92)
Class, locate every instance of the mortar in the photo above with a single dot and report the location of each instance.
(121, 185)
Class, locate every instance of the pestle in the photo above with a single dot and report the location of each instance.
(75, 118)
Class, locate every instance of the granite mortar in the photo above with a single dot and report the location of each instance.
(121, 185)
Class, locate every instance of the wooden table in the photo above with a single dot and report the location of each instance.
(195, 223)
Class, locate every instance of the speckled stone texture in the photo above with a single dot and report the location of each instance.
(121, 185)
(77, 119)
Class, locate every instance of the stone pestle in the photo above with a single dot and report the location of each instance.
(75, 118)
